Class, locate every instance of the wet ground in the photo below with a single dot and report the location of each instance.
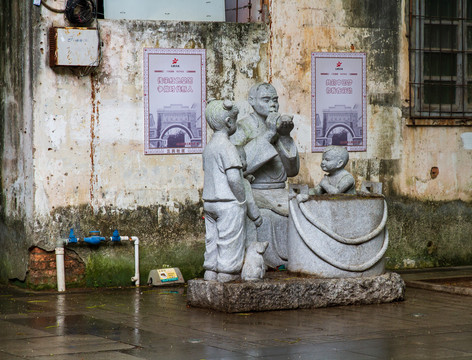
(145, 323)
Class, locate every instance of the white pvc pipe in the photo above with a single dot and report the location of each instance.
(60, 272)
(135, 278)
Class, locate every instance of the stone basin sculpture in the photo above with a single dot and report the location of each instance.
(338, 235)
(332, 240)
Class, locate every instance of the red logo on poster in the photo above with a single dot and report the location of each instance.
(339, 64)
(175, 61)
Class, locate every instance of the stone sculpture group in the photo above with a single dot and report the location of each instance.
(253, 222)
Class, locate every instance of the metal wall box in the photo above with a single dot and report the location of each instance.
(72, 46)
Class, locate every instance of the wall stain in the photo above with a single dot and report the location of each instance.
(94, 122)
(271, 41)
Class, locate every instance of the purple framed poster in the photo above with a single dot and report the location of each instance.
(174, 101)
(338, 101)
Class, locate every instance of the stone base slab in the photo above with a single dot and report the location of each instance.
(285, 291)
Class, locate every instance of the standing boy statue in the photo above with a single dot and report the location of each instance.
(337, 180)
(224, 196)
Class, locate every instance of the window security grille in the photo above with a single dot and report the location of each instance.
(440, 50)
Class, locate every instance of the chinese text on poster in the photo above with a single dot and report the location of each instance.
(174, 101)
(338, 97)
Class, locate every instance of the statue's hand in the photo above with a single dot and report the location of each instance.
(271, 124)
(249, 177)
(301, 198)
(285, 125)
(327, 187)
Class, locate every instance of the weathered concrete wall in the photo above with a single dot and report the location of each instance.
(86, 150)
(429, 233)
(339, 26)
(18, 25)
(90, 171)
(89, 147)
(398, 155)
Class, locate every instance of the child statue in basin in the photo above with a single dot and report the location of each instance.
(337, 180)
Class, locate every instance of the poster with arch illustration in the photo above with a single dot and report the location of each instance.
(174, 101)
(338, 101)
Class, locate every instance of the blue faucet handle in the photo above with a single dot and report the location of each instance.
(116, 236)
(72, 237)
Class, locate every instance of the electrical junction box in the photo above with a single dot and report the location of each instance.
(166, 276)
(73, 46)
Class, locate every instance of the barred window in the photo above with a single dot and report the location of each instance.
(440, 48)
(244, 11)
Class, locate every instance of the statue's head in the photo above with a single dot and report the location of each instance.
(264, 99)
(222, 115)
(334, 158)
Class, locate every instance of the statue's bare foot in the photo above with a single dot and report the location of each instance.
(223, 277)
(210, 275)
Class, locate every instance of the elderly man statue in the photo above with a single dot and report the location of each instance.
(272, 156)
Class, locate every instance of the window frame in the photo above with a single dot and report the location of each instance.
(458, 112)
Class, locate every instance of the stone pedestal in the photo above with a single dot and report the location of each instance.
(284, 291)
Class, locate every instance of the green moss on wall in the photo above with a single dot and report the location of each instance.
(422, 234)
(154, 225)
(14, 250)
(117, 269)
(104, 271)
(429, 234)
(187, 257)
(5, 269)
(173, 238)
(51, 284)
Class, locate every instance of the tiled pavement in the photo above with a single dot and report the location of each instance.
(144, 323)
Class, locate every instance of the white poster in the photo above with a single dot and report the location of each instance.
(338, 94)
(174, 101)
